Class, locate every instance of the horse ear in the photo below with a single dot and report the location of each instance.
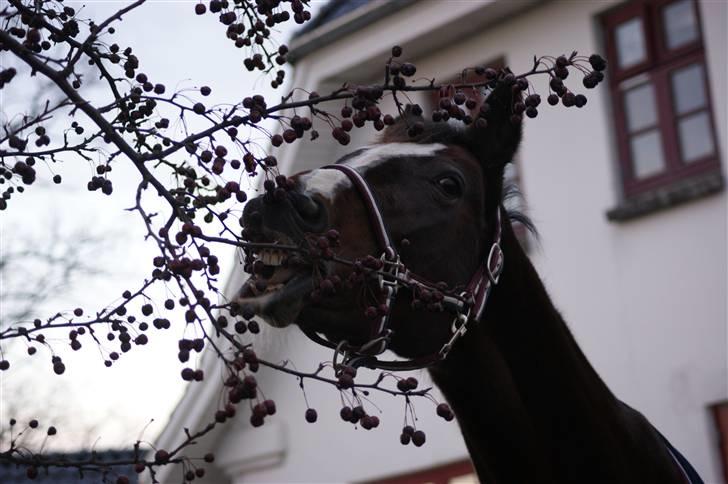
(495, 138)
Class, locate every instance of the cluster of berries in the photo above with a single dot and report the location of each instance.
(25, 170)
(31, 472)
(407, 384)
(399, 70)
(430, 299)
(249, 325)
(357, 415)
(248, 27)
(363, 109)
(104, 184)
(32, 37)
(298, 126)
(186, 346)
(409, 434)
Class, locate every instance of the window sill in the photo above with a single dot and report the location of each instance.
(663, 198)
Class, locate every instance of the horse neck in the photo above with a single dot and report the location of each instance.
(530, 406)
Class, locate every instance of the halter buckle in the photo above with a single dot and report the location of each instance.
(389, 273)
(458, 328)
(494, 264)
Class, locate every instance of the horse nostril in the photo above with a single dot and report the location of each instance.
(311, 212)
(307, 207)
(255, 219)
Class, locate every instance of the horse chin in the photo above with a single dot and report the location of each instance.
(281, 306)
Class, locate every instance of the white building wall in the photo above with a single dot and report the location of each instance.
(646, 299)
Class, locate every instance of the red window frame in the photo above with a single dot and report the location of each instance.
(434, 475)
(659, 63)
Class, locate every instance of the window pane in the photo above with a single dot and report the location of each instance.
(466, 479)
(647, 155)
(696, 138)
(681, 26)
(688, 88)
(639, 106)
(630, 42)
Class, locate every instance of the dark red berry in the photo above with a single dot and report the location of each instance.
(359, 411)
(256, 421)
(270, 407)
(161, 456)
(408, 69)
(311, 415)
(597, 62)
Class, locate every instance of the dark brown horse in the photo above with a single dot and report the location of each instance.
(530, 406)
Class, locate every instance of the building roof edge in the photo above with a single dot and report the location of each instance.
(342, 26)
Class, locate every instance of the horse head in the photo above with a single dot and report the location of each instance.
(438, 189)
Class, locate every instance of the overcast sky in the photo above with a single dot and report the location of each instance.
(89, 401)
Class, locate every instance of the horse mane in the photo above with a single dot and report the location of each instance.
(511, 191)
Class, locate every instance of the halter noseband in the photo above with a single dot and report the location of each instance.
(468, 305)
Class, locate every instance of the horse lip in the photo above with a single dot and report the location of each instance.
(281, 307)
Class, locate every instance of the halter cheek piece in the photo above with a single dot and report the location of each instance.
(467, 305)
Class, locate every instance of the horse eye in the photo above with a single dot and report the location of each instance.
(450, 186)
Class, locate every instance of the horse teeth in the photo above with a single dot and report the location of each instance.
(273, 287)
(271, 257)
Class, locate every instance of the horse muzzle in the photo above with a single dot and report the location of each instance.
(276, 225)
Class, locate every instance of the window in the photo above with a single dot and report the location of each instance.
(720, 416)
(659, 87)
(460, 472)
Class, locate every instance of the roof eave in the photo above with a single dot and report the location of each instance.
(345, 25)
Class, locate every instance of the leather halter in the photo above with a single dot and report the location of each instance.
(467, 305)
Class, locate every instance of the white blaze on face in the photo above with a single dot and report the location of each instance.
(328, 183)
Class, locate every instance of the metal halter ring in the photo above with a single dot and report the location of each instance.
(391, 268)
(339, 350)
(381, 340)
(495, 255)
(457, 330)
